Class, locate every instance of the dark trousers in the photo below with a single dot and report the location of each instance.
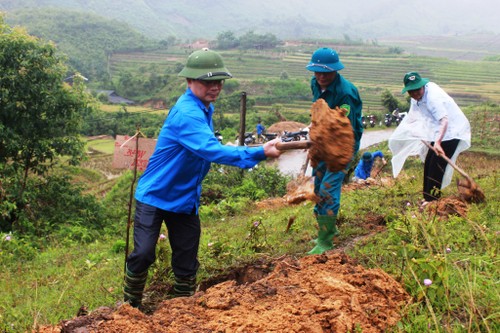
(434, 168)
(183, 234)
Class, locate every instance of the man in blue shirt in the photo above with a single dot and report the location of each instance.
(169, 190)
(329, 85)
(365, 165)
(260, 130)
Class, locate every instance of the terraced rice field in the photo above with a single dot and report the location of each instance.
(372, 71)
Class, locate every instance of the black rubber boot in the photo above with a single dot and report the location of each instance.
(133, 287)
(184, 286)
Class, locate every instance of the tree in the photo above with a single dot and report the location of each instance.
(251, 40)
(40, 115)
(227, 40)
(389, 101)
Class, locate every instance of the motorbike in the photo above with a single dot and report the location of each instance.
(249, 138)
(397, 119)
(270, 136)
(388, 119)
(363, 121)
(372, 120)
(294, 136)
(218, 136)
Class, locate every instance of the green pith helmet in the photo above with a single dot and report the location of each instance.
(205, 65)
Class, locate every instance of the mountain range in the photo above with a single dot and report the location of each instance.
(290, 19)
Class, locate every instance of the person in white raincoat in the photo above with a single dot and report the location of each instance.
(436, 118)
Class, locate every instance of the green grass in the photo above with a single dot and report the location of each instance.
(464, 296)
(54, 284)
(104, 146)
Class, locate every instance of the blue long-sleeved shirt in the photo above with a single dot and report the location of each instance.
(184, 151)
(364, 168)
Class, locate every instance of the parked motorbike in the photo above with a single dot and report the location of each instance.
(294, 136)
(218, 136)
(388, 119)
(400, 117)
(372, 120)
(249, 138)
(363, 121)
(270, 136)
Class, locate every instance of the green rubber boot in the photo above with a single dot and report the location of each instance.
(327, 229)
(184, 286)
(133, 287)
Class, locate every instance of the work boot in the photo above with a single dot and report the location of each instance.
(133, 287)
(327, 229)
(184, 286)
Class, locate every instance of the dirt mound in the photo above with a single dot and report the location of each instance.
(289, 126)
(447, 206)
(327, 293)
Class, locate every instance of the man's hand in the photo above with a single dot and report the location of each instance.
(270, 149)
(438, 149)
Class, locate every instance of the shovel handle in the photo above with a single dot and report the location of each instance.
(303, 144)
(450, 162)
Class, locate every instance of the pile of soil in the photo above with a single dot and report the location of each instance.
(446, 207)
(325, 293)
(289, 126)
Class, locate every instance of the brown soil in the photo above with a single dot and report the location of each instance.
(447, 206)
(326, 293)
(289, 126)
(332, 135)
(301, 189)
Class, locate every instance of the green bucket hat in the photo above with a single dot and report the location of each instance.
(413, 81)
(367, 156)
(205, 65)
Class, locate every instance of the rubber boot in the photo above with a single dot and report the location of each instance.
(133, 287)
(327, 229)
(184, 286)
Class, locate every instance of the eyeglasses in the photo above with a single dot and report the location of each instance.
(211, 83)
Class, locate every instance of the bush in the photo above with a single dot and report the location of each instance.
(53, 207)
(224, 182)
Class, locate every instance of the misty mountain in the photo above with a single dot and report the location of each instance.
(290, 19)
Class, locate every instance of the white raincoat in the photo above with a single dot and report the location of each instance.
(422, 123)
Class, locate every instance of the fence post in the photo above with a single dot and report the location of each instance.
(243, 115)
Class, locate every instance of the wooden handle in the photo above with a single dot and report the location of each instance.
(303, 144)
(450, 162)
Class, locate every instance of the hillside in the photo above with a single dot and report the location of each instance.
(358, 19)
(86, 39)
(371, 68)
